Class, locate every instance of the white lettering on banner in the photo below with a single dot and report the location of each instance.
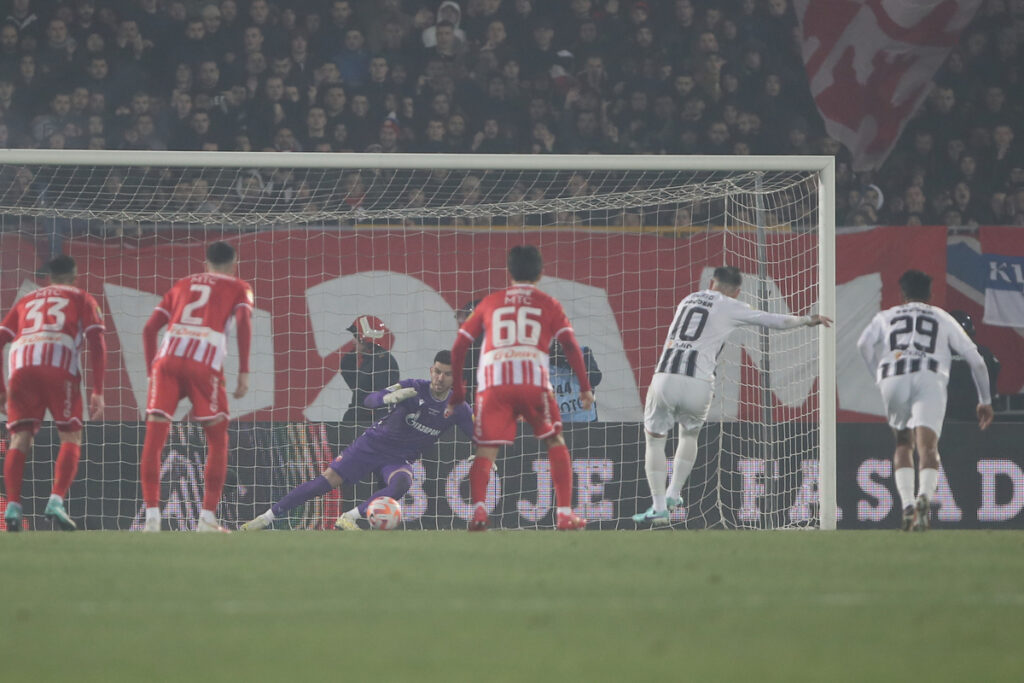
(415, 502)
(807, 496)
(868, 475)
(459, 505)
(590, 478)
(534, 512)
(752, 473)
(997, 271)
(991, 509)
(948, 511)
(131, 308)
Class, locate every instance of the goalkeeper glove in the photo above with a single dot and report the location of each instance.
(399, 395)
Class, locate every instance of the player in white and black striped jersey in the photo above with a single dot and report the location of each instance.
(681, 388)
(909, 350)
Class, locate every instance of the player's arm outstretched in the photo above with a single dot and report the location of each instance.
(778, 321)
(390, 396)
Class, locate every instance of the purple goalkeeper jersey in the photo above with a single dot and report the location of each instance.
(412, 426)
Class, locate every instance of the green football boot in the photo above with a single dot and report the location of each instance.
(12, 517)
(651, 517)
(55, 512)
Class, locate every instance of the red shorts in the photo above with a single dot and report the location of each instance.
(498, 407)
(35, 388)
(176, 378)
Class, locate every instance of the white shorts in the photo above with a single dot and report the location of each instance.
(917, 399)
(676, 398)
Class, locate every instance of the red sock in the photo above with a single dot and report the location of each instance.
(479, 478)
(14, 470)
(216, 464)
(67, 466)
(561, 474)
(149, 472)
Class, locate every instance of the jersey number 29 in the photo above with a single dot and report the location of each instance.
(903, 327)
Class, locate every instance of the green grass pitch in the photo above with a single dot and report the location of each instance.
(513, 606)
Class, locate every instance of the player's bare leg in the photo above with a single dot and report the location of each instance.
(561, 477)
(656, 469)
(928, 473)
(64, 474)
(903, 474)
(682, 465)
(479, 478)
(215, 473)
(14, 468)
(157, 429)
(305, 491)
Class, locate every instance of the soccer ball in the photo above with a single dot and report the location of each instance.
(384, 514)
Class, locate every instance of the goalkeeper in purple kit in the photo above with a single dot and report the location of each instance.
(389, 447)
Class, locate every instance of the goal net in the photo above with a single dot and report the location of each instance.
(411, 240)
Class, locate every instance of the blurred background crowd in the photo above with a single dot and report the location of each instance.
(498, 76)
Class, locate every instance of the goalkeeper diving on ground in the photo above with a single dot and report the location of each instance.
(416, 421)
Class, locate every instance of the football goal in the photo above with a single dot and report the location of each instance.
(411, 240)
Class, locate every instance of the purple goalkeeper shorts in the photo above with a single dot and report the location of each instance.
(355, 463)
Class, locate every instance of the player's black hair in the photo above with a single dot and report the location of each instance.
(220, 253)
(444, 357)
(525, 263)
(729, 276)
(916, 286)
(60, 266)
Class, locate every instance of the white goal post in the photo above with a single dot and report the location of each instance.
(411, 238)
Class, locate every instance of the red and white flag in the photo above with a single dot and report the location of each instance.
(870, 64)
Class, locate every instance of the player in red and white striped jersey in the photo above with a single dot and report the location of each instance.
(46, 329)
(512, 379)
(199, 312)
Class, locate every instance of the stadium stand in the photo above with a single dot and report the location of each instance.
(494, 76)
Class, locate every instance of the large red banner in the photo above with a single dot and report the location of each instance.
(620, 289)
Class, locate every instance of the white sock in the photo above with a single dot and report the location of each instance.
(905, 485)
(208, 517)
(564, 510)
(682, 464)
(269, 515)
(656, 466)
(929, 482)
(353, 513)
(54, 498)
(153, 513)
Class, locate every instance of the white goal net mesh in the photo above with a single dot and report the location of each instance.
(412, 246)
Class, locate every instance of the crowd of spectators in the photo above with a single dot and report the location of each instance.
(497, 76)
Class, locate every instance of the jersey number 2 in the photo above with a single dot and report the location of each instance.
(187, 313)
